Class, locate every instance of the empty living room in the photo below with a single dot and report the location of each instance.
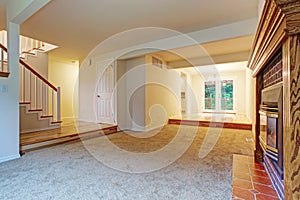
(142, 99)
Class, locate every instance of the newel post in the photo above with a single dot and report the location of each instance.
(58, 101)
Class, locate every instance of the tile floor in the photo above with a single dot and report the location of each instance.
(250, 181)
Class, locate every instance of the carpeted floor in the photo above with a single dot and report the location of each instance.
(90, 171)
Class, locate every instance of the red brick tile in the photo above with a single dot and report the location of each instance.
(241, 193)
(265, 197)
(256, 166)
(242, 184)
(261, 180)
(255, 172)
(265, 189)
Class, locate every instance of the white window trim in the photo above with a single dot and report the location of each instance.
(234, 111)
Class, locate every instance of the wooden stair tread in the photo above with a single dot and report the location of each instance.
(21, 103)
(46, 116)
(4, 74)
(39, 138)
(27, 52)
(56, 122)
(35, 110)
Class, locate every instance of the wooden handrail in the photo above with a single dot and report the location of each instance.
(38, 75)
(32, 70)
(3, 47)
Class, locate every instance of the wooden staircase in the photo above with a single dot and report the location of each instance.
(32, 120)
(39, 99)
(4, 70)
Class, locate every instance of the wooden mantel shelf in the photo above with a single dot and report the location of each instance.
(280, 18)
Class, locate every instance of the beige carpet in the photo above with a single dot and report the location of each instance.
(91, 170)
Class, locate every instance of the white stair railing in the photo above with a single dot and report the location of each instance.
(27, 45)
(35, 90)
(4, 70)
(39, 92)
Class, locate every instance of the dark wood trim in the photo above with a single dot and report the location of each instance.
(240, 126)
(56, 122)
(291, 9)
(258, 153)
(4, 74)
(46, 116)
(35, 110)
(24, 103)
(292, 137)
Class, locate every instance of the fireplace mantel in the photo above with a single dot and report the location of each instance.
(279, 29)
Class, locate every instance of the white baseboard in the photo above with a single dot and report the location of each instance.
(7, 158)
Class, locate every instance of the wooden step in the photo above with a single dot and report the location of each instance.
(38, 49)
(35, 110)
(33, 141)
(24, 103)
(46, 116)
(56, 122)
(28, 52)
(4, 74)
(233, 125)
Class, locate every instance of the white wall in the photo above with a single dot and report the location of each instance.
(146, 94)
(239, 78)
(163, 88)
(261, 4)
(250, 95)
(130, 96)
(39, 63)
(17, 12)
(65, 75)
(9, 101)
(135, 93)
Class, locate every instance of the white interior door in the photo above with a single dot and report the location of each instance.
(105, 97)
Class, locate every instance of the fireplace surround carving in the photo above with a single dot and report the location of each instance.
(279, 30)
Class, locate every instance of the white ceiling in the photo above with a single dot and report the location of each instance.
(217, 68)
(77, 26)
(228, 46)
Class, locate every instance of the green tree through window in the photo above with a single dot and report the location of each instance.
(227, 95)
(223, 90)
(210, 95)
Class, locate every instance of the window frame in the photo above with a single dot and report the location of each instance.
(218, 97)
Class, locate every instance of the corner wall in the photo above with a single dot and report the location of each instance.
(64, 74)
(163, 88)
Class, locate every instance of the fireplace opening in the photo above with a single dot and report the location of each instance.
(271, 127)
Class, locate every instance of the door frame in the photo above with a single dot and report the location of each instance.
(114, 93)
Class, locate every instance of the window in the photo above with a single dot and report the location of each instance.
(227, 95)
(219, 95)
(210, 95)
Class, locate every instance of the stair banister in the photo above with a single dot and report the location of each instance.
(58, 114)
(38, 89)
(2, 60)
